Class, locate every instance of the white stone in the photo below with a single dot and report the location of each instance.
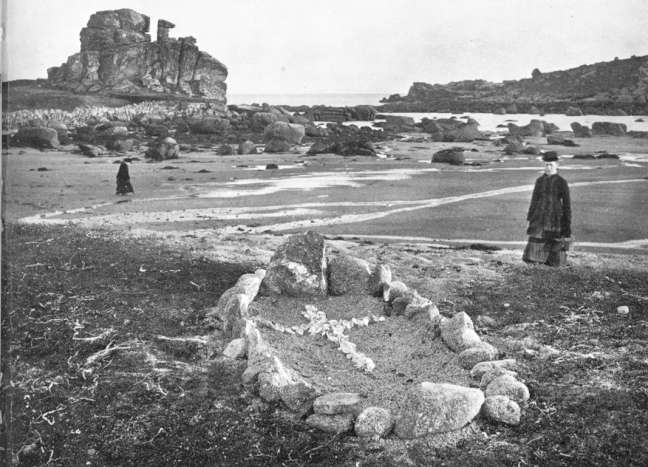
(337, 402)
(501, 409)
(478, 370)
(480, 353)
(507, 385)
(458, 332)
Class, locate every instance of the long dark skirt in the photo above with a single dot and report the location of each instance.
(124, 186)
(543, 251)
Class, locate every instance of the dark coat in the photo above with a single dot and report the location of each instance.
(123, 180)
(550, 210)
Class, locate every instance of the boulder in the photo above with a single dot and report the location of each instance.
(348, 275)
(580, 131)
(321, 147)
(338, 403)
(481, 368)
(531, 150)
(453, 156)
(490, 375)
(291, 133)
(277, 146)
(354, 148)
(157, 129)
(374, 422)
(36, 137)
(560, 141)
(533, 129)
(236, 349)
(609, 129)
(394, 290)
(316, 131)
(451, 129)
(298, 397)
(298, 267)
(90, 150)
(381, 276)
(458, 332)
(507, 385)
(480, 353)
(225, 150)
(436, 408)
(513, 144)
(501, 409)
(423, 309)
(231, 314)
(121, 145)
(246, 147)
(163, 149)
(331, 423)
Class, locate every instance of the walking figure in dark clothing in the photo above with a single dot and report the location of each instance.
(123, 180)
(549, 218)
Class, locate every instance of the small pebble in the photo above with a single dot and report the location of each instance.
(623, 310)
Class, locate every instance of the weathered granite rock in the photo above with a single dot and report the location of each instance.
(277, 145)
(374, 422)
(36, 137)
(331, 423)
(208, 125)
(348, 275)
(453, 156)
(609, 129)
(560, 141)
(163, 149)
(501, 409)
(534, 128)
(292, 133)
(451, 129)
(298, 267)
(490, 375)
(507, 385)
(237, 348)
(482, 367)
(381, 276)
(580, 131)
(394, 290)
(338, 403)
(246, 147)
(573, 112)
(482, 352)
(436, 408)
(117, 55)
(458, 332)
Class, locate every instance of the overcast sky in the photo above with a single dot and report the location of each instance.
(354, 46)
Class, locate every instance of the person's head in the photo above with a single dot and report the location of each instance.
(550, 159)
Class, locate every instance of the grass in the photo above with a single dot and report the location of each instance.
(152, 404)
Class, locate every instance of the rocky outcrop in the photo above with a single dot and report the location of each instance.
(118, 56)
(601, 88)
(609, 129)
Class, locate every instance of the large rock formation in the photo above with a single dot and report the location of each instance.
(117, 56)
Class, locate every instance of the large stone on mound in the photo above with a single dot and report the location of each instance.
(337, 402)
(292, 133)
(37, 137)
(348, 275)
(480, 353)
(458, 332)
(507, 385)
(374, 422)
(298, 267)
(436, 408)
(381, 276)
(481, 368)
(501, 409)
(331, 423)
(490, 375)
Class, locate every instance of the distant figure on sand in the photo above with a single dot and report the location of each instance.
(549, 217)
(123, 180)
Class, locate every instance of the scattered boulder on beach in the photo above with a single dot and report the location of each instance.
(209, 125)
(580, 131)
(36, 137)
(292, 133)
(451, 129)
(560, 140)
(396, 123)
(121, 145)
(225, 150)
(90, 150)
(453, 156)
(246, 147)
(501, 409)
(609, 129)
(163, 149)
(374, 422)
(277, 145)
(534, 128)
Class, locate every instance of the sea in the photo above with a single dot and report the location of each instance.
(487, 122)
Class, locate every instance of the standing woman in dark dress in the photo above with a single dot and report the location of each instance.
(123, 180)
(549, 217)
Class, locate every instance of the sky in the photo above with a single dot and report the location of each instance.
(351, 46)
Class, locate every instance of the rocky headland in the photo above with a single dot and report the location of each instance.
(617, 87)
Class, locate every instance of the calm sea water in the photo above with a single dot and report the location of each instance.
(487, 122)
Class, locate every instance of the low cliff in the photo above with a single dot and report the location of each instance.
(614, 87)
(118, 56)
